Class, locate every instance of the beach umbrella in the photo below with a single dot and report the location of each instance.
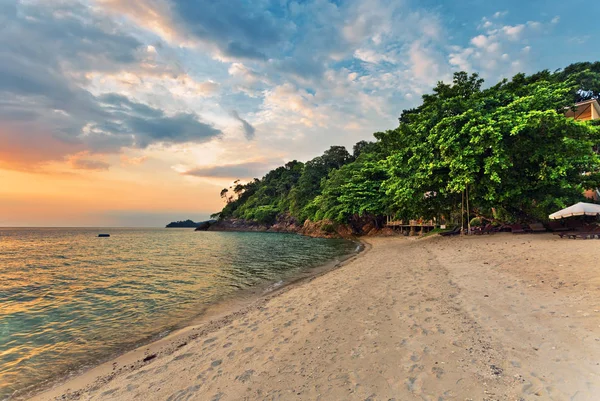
(578, 209)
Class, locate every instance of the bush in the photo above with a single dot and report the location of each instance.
(328, 228)
(266, 214)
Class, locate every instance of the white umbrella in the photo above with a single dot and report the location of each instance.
(578, 209)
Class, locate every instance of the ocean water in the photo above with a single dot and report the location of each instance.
(70, 299)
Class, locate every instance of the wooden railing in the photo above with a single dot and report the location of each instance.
(390, 222)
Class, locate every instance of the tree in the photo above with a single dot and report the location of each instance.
(224, 195)
(309, 183)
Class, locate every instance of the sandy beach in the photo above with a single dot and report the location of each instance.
(500, 317)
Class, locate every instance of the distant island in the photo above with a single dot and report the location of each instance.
(183, 224)
(190, 224)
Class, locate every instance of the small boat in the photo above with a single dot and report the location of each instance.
(103, 235)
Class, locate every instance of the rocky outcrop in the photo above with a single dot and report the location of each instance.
(204, 226)
(326, 229)
(284, 224)
(319, 229)
(238, 225)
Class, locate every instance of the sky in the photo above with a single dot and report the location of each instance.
(138, 112)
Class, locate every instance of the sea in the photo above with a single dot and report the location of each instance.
(70, 300)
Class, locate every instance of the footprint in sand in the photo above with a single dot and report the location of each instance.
(244, 377)
(184, 395)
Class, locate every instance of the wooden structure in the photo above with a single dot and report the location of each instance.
(584, 111)
(411, 227)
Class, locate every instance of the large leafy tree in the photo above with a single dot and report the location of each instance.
(355, 190)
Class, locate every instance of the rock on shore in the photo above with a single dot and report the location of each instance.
(318, 229)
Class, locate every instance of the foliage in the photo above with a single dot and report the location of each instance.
(286, 189)
(265, 214)
(508, 150)
(328, 228)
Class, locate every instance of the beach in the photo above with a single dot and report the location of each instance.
(495, 317)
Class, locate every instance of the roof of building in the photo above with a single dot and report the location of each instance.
(576, 110)
(588, 102)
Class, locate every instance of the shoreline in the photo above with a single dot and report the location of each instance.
(156, 346)
(500, 317)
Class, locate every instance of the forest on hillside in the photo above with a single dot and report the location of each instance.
(508, 149)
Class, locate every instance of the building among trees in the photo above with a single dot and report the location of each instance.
(585, 111)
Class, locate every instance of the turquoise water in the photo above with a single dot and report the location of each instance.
(69, 299)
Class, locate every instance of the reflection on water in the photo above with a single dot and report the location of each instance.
(68, 298)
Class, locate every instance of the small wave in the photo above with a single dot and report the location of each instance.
(274, 286)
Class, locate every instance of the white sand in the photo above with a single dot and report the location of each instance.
(502, 317)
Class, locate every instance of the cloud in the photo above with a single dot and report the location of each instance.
(245, 74)
(155, 15)
(460, 58)
(234, 29)
(24, 145)
(234, 171)
(182, 85)
(500, 51)
(239, 51)
(79, 163)
(514, 32)
(138, 125)
(247, 80)
(132, 161)
(44, 79)
(480, 41)
(371, 56)
(299, 106)
(424, 66)
(249, 130)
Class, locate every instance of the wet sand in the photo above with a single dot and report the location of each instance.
(501, 317)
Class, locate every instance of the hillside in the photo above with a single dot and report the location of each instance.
(508, 149)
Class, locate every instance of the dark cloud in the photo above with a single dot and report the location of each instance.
(242, 170)
(238, 28)
(47, 50)
(141, 125)
(303, 67)
(249, 130)
(237, 50)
